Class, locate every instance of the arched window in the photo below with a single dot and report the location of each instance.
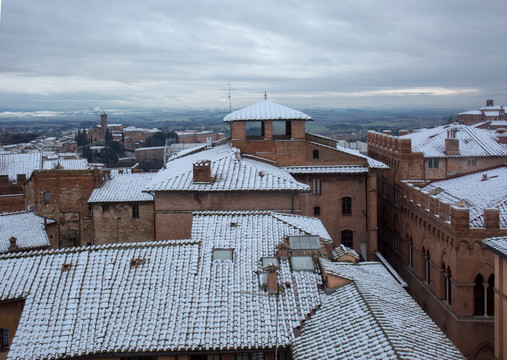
(347, 206)
(447, 284)
(427, 272)
(411, 252)
(315, 154)
(348, 238)
(490, 296)
(479, 295)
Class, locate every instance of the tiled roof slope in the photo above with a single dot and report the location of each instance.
(473, 142)
(123, 188)
(497, 244)
(229, 171)
(13, 164)
(266, 110)
(370, 318)
(160, 296)
(67, 164)
(28, 229)
(476, 193)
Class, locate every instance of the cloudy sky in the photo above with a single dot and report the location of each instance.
(64, 54)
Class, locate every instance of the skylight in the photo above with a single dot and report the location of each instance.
(304, 242)
(222, 254)
(266, 261)
(302, 263)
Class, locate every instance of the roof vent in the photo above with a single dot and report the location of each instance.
(484, 177)
(13, 246)
(234, 224)
(66, 267)
(261, 174)
(137, 262)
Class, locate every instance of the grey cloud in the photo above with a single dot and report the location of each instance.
(175, 53)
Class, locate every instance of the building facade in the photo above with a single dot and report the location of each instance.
(444, 193)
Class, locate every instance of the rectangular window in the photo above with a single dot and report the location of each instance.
(384, 188)
(213, 357)
(433, 163)
(222, 254)
(105, 208)
(4, 339)
(396, 244)
(346, 206)
(397, 197)
(135, 210)
(90, 210)
(304, 242)
(46, 196)
(472, 161)
(316, 211)
(316, 187)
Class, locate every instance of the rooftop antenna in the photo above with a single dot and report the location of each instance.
(265, 95)
(229, 96)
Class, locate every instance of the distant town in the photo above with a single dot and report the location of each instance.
(261, 233)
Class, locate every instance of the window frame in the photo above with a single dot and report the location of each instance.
(135, 210)
(316, 186)
(313, 242)
(4, 339)
(433, 163)
(345, 232)
(346, 206)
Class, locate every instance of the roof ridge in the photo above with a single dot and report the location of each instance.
(144, 244)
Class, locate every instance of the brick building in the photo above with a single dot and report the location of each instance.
(498, 246)
(131, 137)
(445, 192)
(270, 163)
(196, 136)
(121, 212)
(247, 285)
(62, 195)
(490, 113)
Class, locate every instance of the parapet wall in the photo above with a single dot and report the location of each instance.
(388, 142)
(457, 216)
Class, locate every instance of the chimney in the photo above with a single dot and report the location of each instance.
(12, 244)
(492, 218)
(202, 171)
(451, 143)
(283, 250)
(208, 142)
(402, 132)
(490, 102)
(271, 275)
(484, 177)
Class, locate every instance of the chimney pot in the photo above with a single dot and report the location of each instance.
(13, 246)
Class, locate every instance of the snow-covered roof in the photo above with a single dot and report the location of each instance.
(342, 250)
(372, 317)
(26, 227)
(66, 164)
(471, 112)
(476, 193)
(327, 169)
(497, 244)
(229, 172)
(123, 188)
(473, 142)
(372, 163)
(266, 110)
(14, 164)
(161, 296)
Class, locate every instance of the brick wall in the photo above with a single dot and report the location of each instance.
(68, 192)
(117, 222)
